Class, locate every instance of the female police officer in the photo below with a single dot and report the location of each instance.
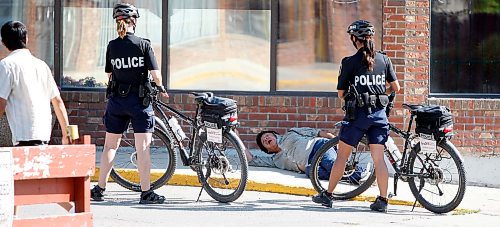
(128, 60)
(366, 72)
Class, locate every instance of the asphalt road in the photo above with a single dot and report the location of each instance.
(121, 208)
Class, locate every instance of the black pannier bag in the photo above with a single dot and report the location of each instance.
(222, 111)
(433, 120)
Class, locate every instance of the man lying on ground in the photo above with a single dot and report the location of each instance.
(294, 151)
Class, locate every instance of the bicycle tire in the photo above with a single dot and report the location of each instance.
(352, 190)
(168, 171)
(416, 182)
(208, 170)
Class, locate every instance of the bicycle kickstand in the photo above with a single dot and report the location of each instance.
(199, 195)
(421, 186)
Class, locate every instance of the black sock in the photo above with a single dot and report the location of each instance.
(383, 199)
(328, 194)
(146, 193)
(100, 189)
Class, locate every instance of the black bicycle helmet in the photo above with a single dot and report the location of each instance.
(124, 11)
(361, 29)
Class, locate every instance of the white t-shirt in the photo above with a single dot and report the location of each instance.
(27, 84)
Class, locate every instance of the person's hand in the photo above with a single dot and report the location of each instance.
(65, 140)
(163, 91)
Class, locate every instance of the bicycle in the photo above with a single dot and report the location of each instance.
(425, 170)
(221, 166)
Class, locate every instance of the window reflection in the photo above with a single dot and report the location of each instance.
(88, 26)
(465, 44)
(38, 16)
(312, 40)
(219, 45)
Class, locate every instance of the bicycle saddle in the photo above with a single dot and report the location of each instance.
(411, 107)
(201, 96)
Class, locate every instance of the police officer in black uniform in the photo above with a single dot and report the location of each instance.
(129, 60)
(362, 84)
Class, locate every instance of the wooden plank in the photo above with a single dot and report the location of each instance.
(41, 191)
(70, 220)
(82, 194)
(53, 161)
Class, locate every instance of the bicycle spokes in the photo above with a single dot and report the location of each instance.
(439, 183)
(222, 168)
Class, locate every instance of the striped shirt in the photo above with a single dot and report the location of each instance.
(27, 84)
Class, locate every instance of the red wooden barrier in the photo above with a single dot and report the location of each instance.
(54, 174)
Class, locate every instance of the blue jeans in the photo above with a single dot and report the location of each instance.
(326, 164)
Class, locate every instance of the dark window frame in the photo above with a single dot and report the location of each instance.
(447, 94)
(274, 7)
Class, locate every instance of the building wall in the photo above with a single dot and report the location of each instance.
(406, 41)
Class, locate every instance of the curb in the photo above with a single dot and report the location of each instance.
(192, 180)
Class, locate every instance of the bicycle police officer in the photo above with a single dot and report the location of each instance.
(362, 84)
(128, 60)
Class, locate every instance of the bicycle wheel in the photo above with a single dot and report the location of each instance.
(358, 175)
(440, 186)
(223, 167)
(163, 162)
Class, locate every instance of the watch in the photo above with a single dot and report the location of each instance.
(161, 89)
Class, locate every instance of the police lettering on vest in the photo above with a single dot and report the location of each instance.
(130, 62)
(368, 80)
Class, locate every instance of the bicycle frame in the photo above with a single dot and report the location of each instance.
(403, 167)
(159, 106)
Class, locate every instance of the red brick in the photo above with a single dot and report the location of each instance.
(395, 3)
(256, 116)
(296, 117)
(395, 17)
(389, 10)
(396, 32)
(287, 124)
(277, 116)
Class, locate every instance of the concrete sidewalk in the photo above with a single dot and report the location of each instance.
(477, 199)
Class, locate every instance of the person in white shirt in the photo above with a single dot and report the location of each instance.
(27, 88)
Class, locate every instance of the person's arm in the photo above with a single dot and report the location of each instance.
(343, 80)
(249, 155)
(326, 134)
(62, 117)
(5, 87)
(262, 161)
(393, 87)
(3, 104)
(341, 94)
(391, 78)
(156, 74)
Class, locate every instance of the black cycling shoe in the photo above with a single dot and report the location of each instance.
(323, 199)
(96, 193)
(150, 197)
(379, 205)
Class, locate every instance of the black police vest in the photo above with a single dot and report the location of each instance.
(129, 59)
(354, 72)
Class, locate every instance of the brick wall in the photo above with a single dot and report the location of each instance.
(406, 41)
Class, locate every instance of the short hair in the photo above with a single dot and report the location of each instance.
(14, 35)
(259, 141)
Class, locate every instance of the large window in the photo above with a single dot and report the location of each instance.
(219, 45)
(465, 47)
(275, 46)
(88, 26)
(38, 16)
(312, 40)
